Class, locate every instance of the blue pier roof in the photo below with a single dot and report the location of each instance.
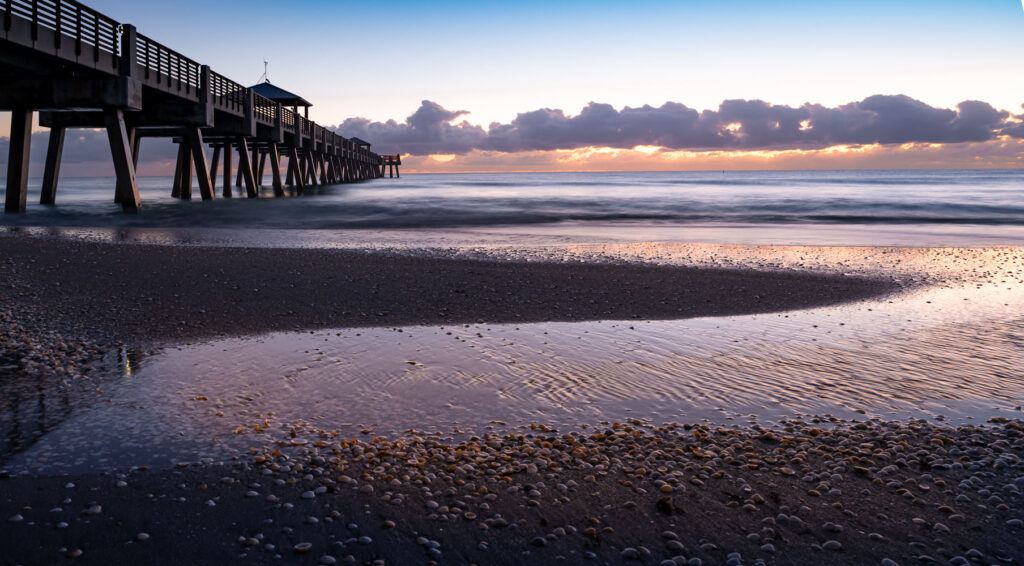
(278, 94)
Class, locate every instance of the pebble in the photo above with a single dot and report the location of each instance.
(94, 510)
(328, 559)
(832, 545)
(303, 547)
(142, 537)
(630, 553)
(308, 495)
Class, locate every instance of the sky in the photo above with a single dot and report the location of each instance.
(455, 76)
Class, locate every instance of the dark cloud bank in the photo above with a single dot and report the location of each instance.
(736, 124)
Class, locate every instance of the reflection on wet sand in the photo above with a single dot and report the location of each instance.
(949, 349)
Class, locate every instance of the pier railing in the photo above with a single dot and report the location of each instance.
(165, 69)
(228, 95)
(67, 29)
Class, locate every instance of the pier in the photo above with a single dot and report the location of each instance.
(81, 69)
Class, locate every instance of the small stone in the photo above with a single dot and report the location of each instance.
(832, 545)
(328, 559)
(630, 553)
(303, 547)
(889, 562)
(308, 495)
(539, 542)
(15, 518)
(142, 537)
(365, 540)
(94, 510)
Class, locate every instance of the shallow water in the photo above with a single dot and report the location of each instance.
(949, 351)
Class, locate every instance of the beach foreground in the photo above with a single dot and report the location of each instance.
(809, 490)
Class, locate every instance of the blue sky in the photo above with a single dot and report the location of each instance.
(431, 65)
(496, 59)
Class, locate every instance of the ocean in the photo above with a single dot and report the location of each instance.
(919, 207)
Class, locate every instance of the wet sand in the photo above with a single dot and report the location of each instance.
(799, 492)
(166, 293)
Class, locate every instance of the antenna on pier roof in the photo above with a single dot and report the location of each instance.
(264, 78)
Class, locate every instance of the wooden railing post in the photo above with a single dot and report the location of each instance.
(57, 5)
(278, 123)
(205, 95)
(78, 30)
(35, 21)
(249, 110)
(129, 51)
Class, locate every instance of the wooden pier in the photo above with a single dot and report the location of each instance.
(392, 161)
(81, 69)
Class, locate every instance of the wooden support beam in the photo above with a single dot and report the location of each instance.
(136, 142)
(17, 161)
(185, 179)
(260, 169)
(227, 170)
(213, 165)
(52, 171)
(294, 165)
(124, 168)
(275, 170)
(254, 161)
(331, 169)
(245, 167)
(195, 142)
(176, 187)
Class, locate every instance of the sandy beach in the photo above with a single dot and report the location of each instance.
(807, 490)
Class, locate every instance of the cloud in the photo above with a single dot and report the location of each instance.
(736, 124)
(890, 121)
(428, 130)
